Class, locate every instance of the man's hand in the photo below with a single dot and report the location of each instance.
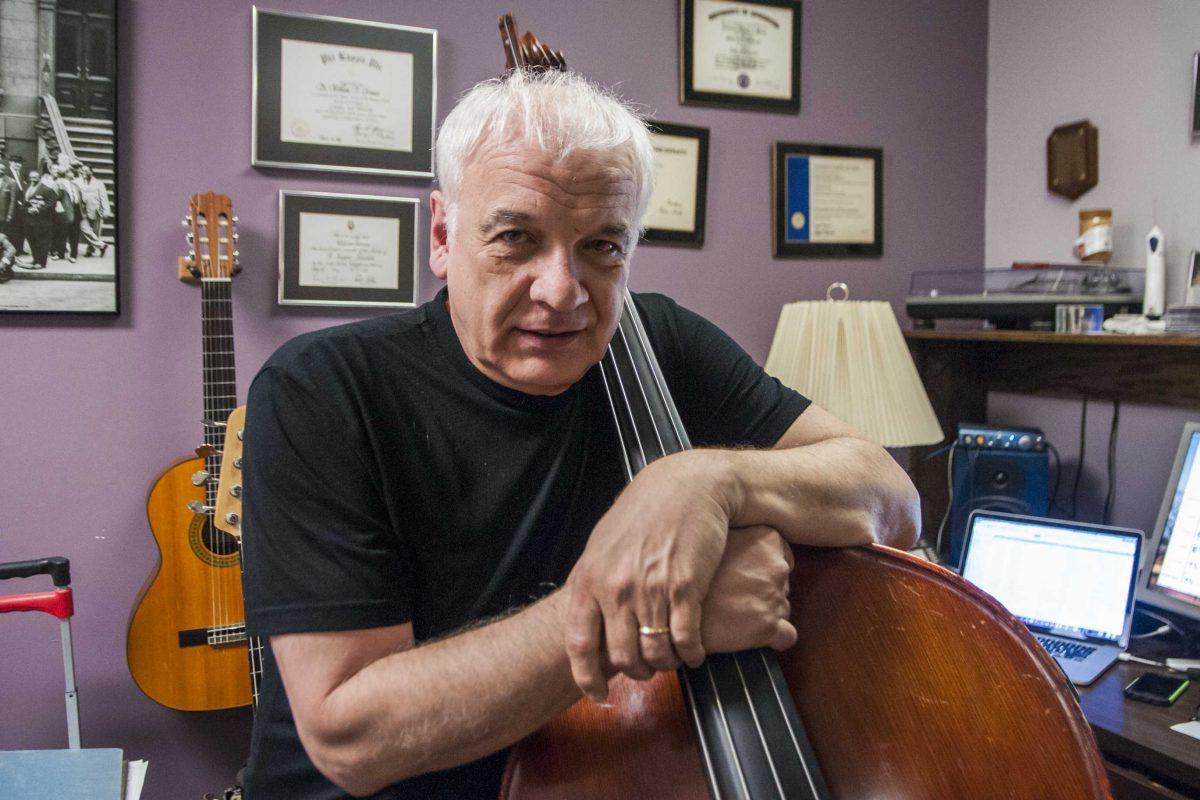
(747, 605)
(649, 563)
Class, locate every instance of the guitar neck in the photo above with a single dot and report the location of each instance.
(220, 375)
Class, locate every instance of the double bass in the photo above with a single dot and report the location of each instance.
(906, 682)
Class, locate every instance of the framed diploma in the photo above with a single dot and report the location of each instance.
(343, 95)
(347, 250)
(676, 209)
(744, 54)
(828, 200)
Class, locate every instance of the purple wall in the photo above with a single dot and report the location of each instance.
(95, 410)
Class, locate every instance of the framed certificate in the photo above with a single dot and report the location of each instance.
(828, 200)
(744, 54)
(347, 250)
(343, 95)
(676, 209)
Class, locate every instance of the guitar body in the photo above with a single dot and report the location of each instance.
(196, 587)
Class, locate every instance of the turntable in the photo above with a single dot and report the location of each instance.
(1021, 298)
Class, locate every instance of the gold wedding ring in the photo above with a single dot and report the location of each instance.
(646, 630)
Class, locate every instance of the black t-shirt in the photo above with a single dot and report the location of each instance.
(387, 480)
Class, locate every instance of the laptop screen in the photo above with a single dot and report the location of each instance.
(1055, 577)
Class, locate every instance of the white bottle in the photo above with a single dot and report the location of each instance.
(1155, 291)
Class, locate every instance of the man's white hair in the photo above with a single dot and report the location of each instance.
(555, 111)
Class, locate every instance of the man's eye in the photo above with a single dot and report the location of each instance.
(607, 248)
(512, 237)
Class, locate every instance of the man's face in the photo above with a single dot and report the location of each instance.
(538, 263)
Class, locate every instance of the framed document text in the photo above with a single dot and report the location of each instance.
(676, 209)
(347, 250)
(744, 54)
(828, 200)
(343, 95)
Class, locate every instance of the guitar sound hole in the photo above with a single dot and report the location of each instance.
(218, 541)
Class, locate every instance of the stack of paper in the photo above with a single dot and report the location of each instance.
(1183, 319)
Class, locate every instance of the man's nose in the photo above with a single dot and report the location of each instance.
(557, 282)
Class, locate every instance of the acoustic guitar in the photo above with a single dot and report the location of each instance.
(186, 645)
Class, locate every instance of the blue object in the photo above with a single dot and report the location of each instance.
(90, 774)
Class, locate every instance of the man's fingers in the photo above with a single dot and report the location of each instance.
(785, 635)
(584, 622)
(624, 649)
(685, 633)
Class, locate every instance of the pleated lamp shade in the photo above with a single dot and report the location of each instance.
(850, 358)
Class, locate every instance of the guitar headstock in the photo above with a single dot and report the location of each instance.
(227, 515)
(211, 237)
(525, 50)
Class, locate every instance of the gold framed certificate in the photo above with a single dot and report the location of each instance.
(343, 95)
(347, 250)
(676, 209)
(744, 54)
(828, 200)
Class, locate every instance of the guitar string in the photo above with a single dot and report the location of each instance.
(640, 337)
(199, 222)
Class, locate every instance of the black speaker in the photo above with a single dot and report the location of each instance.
(995, 469)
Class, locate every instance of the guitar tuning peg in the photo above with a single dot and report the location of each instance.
(189, 237)
(237, 268)
(191, 256)
(194, 270)
(196, 507)
(235, 219)
(235, 255)
(187, 221)
(236, 236)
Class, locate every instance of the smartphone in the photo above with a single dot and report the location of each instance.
(1161, 690)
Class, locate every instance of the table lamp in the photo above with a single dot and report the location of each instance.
(850, 358)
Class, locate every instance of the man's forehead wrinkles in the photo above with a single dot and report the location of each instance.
(610, 196)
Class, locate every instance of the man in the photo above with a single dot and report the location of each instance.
(15, 223)
(438, 543)
(8, 257)
(67, 216)
(41, 197)
(10, 194)
(95, 207)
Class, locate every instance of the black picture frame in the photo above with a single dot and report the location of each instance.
(695, 236)
(690, 95)
(1196, 95)
(268, 148)
(83, 130)
(789, 167)
(404, 209)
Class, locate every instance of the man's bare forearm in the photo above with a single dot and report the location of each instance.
(840, 491)
(450, 701)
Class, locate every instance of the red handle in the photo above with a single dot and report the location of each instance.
(60, 603)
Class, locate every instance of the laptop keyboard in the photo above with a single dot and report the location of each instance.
(1068, 650)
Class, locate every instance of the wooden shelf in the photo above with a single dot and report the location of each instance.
(1049, 337)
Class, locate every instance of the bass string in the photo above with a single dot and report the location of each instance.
(638, 334)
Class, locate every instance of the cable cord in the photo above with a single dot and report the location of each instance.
(1111, 497)
(1082, 454)
(1054, 504)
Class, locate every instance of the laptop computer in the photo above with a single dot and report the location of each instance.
(1071, 583)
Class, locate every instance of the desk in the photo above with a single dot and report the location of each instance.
(1147, 761)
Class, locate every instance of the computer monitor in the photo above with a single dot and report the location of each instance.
(1172, 580)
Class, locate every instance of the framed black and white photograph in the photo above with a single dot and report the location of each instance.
(676, 210)
(827, 200)
(58, 150)
(740, 54)
(343, 95)
(347, 250)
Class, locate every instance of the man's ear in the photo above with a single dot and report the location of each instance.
(439, 236)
